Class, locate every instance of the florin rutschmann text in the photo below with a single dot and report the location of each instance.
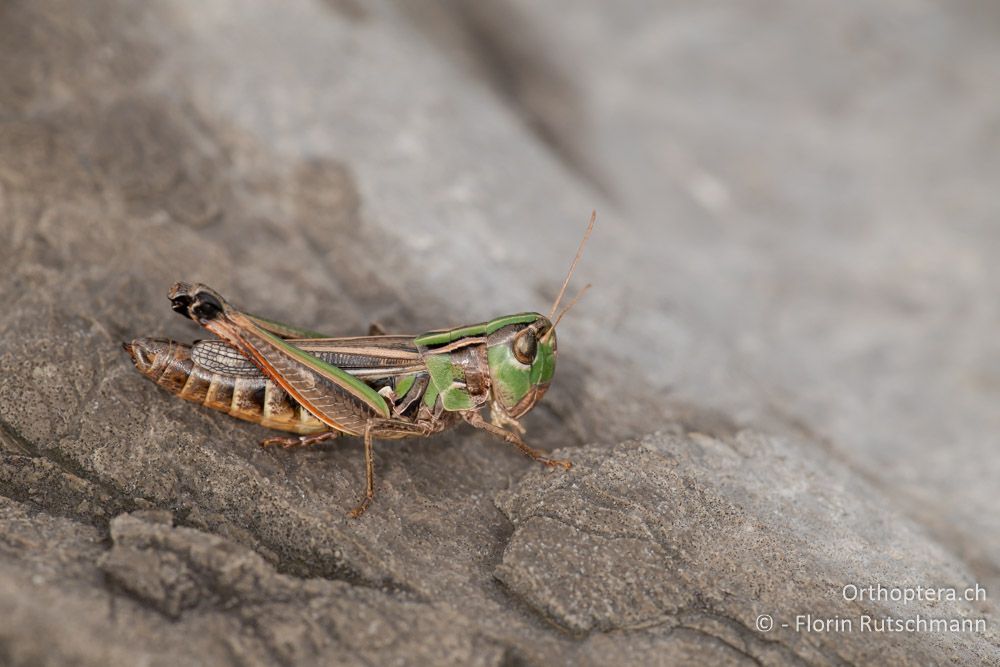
(871, 621)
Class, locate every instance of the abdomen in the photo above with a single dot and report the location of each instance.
(229, 387)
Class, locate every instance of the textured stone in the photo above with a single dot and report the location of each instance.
(694, 534)
(770, 254)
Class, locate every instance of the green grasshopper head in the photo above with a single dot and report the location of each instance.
(521, 353)
(521, 349)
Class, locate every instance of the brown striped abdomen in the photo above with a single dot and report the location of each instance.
(251, 397)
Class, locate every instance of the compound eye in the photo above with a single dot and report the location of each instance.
(525, 346)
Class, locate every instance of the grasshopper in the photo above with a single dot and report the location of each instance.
(378, 386)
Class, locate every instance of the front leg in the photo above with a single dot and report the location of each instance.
(475, 419)
(500, 418)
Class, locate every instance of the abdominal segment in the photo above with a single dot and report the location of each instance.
(241, 391)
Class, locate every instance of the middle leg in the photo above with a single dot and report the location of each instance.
(383, 427)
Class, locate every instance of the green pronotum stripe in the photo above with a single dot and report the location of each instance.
(336, 375)
(450, 336)
(501, 322)
(483, 329)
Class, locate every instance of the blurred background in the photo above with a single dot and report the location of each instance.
(798, 221)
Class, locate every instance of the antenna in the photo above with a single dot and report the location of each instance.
(572, 303)
(579, 253)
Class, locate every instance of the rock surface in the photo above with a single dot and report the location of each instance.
(784, 382)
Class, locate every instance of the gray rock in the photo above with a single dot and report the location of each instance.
(691, 535)
(770, 255)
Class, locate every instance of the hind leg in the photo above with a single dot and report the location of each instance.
(299, 440)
